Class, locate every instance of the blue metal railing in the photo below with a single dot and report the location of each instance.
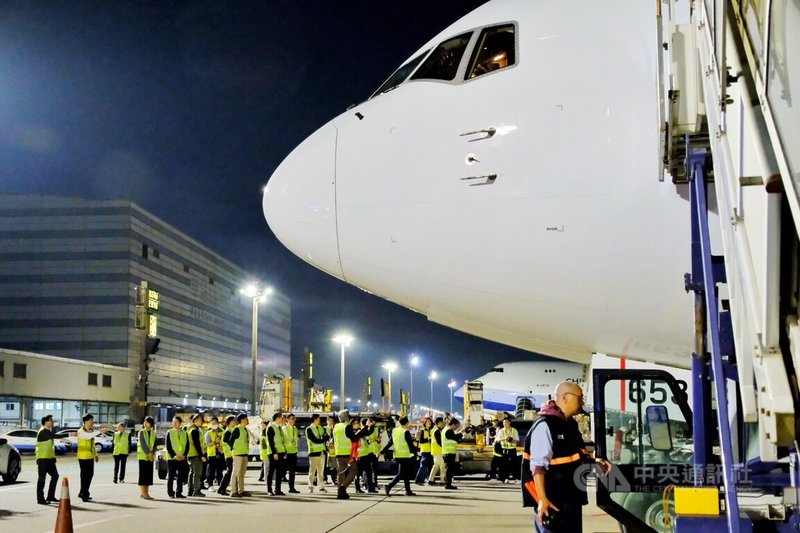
(696, 161)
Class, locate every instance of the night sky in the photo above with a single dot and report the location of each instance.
(187, 108)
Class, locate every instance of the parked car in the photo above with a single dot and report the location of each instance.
(24, 440)
(10, 461)
(102, 443)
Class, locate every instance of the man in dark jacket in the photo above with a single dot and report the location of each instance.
(46, 462)
(554, 450)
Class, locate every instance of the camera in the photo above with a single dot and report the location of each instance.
(553, 521)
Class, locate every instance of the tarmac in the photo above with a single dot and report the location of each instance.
(477, 506)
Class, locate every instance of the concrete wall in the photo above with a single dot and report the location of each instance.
(60, 378)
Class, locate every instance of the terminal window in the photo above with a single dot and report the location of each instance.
(20, 370)
(106, 381)
(92, 379)
(2, 369)
(145, 251)
(156, 254)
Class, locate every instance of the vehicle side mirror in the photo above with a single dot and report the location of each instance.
(3, 441)
(658, 426)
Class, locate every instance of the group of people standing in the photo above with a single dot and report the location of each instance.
(345, 448)
(87, 457)
(199, 458)
(503, 440)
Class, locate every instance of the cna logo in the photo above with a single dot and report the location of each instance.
(614, 481)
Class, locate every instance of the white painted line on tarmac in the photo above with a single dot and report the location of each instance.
(18, 487)
(88, 524)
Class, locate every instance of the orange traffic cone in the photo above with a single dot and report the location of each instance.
(64, 518)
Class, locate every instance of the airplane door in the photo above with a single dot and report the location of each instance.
(643, 425)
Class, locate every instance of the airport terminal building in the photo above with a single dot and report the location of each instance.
(69, 269)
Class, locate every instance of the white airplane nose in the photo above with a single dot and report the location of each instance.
(300, 201)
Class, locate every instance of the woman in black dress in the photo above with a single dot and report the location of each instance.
(146, 451)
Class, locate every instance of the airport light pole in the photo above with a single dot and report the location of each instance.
(414, 362)
(451, 386)
(343, 340)
(432, 377)
(390, 367)
(257, 295)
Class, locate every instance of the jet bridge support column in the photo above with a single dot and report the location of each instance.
(706, 278)
(701, 385)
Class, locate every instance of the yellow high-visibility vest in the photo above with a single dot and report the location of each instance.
(401, 449)
(179, 441)
(341, 444)
(45, 449)
(150, 436)
(86, 448)
(121, 443)
(435, 448)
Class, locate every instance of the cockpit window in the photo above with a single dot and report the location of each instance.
(443, 62)
(495, 50)
(400, 74)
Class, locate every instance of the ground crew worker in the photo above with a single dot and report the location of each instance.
(343, 438)
(122, 447)
(330, 452)
(240, 444)
(439, 466)
(263, 451)
(277, 454)
(214, 453)
(375, 449)
(87, 455)
(365, 457)
(508, 437)
(227, 454)
(146, 453)
(292, 442)
(404, 453)
(46, 462)
(316, 439)
(554, 450)
(450, 440)
(426, 459)
(177, 467)
(196, 456)
(497, 449)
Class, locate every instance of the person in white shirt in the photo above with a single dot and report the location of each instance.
(508, 438)
(87, 455)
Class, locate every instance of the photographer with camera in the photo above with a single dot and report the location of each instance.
(554, 451)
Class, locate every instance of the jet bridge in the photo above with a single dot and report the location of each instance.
(731, 114)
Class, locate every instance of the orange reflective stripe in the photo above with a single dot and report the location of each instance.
(564, 460)
(530, 486)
